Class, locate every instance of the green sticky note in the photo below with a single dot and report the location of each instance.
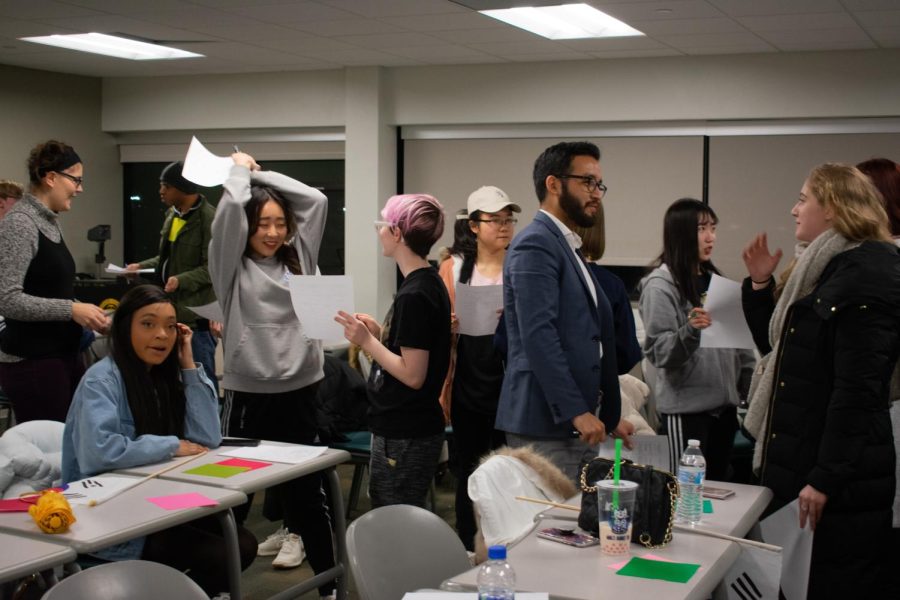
(214, 470)
(658, 569)
(707, 507)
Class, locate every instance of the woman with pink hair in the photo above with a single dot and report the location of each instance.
(411, 354)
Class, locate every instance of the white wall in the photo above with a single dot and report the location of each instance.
(700, 90)
(38, 105)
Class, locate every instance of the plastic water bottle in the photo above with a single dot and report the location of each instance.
(496, 579)
(691, 474)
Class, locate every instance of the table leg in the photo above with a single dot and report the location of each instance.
(233, 553)
(340, 532)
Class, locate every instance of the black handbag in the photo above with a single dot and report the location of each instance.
(654, 507)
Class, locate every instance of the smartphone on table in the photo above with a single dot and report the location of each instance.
(229, 441)
(568, 537)
(717, 493)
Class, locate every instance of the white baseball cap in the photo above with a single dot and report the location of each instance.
(490, 199)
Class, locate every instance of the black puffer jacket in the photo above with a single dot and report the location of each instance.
(829, 426)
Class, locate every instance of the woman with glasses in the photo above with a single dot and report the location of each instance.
(472, 388)
(269, 227)
(697, 390)
(40, 365)
(829, 330)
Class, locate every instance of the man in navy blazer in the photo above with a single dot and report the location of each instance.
(561, 389)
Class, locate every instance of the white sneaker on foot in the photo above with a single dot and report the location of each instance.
(273, 543)
(291, 553)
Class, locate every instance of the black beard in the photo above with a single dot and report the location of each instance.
(572, 207)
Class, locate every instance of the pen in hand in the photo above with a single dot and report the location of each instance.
(235, 148)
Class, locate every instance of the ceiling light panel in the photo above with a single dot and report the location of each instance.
(564, 22)
(110, 45)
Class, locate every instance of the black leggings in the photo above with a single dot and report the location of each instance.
(287, 417)
(199, 548)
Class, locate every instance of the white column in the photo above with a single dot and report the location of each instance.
(370, 178)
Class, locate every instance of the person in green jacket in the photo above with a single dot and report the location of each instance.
(181, 266)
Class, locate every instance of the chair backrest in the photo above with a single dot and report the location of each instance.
(132, 579)
(402, 548)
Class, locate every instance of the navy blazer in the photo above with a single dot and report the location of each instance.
(554, 371)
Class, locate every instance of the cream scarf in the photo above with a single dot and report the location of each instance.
(802, 281)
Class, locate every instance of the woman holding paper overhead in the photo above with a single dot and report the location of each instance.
(147, 402)
(476, 368)
(268, 228)
(830, 332)
(697, 389)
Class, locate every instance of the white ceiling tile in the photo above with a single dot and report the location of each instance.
(393, 8)
(819, 39)
(504, 34)
(194, 16)
(437, 51)
(736, 49)
(444, 22)
(855, 5)
(818, 45)
(36, 9)
(654, 11)
(887, 37)
(16, 29)
(602, 45)
(355, 26)
(687, 26)
(556, 56)
(539, 46)
(799, 22)
(747, 8)
(636, 53)
(291, 13)
(126, 25)
(125, 7)
(879, 18)
(392, 40)
(703, 40)
(304, 44)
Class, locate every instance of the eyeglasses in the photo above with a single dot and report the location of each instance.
(380, 224)
(590, 183)
(78, 181)
(499, 222)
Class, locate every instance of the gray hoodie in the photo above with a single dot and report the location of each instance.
(265, 348)
(689, 379)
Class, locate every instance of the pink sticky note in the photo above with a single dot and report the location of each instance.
(179, 501)
(243, 462)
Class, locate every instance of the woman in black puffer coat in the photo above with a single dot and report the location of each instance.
(819, 404)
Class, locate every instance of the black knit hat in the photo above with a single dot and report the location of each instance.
(171, 175)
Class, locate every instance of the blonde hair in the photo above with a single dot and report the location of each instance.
(856, 205)
(11, 189)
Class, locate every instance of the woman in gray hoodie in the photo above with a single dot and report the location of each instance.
(697, 389)
(267, 228)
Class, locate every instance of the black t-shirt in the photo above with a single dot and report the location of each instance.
(420, 318)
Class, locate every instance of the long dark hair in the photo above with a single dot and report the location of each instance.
(155, 396)
(680, 247)
(287, 254)
(465, 245)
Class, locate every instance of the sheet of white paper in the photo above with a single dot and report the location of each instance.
(436, 595)
(211, 311)
(782, 528)
(728, 328)
(317, 300)
(648, 450)
(281, 454)
(476, 308)
(205, 168)
(111, 268)
(95, 489)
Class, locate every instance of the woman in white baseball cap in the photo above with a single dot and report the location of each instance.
(476, 370)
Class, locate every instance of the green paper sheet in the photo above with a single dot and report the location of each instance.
(657, 569)
(707, 507)
(214, 470)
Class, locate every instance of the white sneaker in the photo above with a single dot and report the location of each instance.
(222, 596)
(273, 543)
(291, 553)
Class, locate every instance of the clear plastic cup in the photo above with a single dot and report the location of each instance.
(615, 508)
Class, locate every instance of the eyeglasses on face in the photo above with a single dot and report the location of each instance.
(380, 224)
(590, 183)
(507, 222)
(78, 181)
